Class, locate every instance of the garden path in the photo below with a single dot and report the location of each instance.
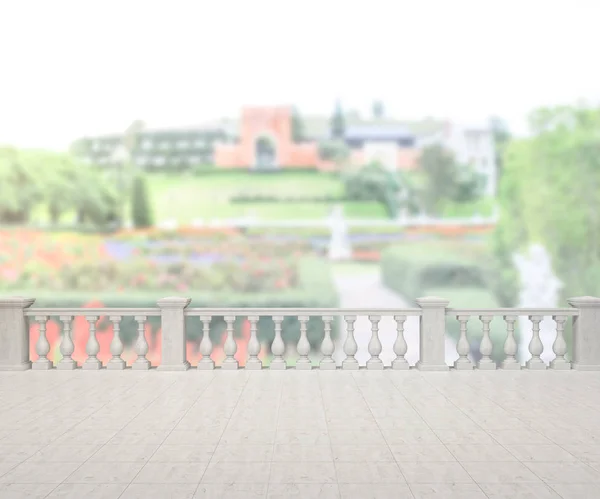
(365, 290)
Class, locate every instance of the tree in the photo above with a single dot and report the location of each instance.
(378, 109)
(502, 137)
(297, 126)
(338, 122)
(446, 181)
(550, 194)
(140, 204)
(376, 183)
(57, 182)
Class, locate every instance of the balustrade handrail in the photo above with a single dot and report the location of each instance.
(497, 312)
(30, 312)
(303, 311)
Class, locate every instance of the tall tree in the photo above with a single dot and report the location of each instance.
(550, 194)
(338, 122)
(445, 180)
(502, 137)
(378, 109)
(297, 126)
(141, 213)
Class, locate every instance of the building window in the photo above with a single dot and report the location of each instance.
(147, 144)
(183, 144)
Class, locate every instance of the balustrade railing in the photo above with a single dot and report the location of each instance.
(432, 312)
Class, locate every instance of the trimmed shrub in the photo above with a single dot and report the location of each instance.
(272, 198)
(140, 204)
(412, 273)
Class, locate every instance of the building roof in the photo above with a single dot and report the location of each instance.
(377, 132)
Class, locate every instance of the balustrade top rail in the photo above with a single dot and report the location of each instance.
(93, 311)
(571, 312)
(311, 312)
(227, 311)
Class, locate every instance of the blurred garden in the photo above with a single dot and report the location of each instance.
(72, 234)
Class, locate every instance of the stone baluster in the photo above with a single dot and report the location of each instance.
(303, 363)
(560, 345)
(327, 347)
(253, 362)
(278, 346)
(141, 345)
(400, 346)
(67, 346)
(230, 347)
(206, 346)
(510, 345)
(463, 347)
(116, 345)
(375, 346)
(42, 347)
(93, 347)
(536, 347)
(350, 345)
(487, 347)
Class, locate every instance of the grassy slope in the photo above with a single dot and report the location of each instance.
(207, 196)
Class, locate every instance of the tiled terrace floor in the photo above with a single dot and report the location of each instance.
(292, 434)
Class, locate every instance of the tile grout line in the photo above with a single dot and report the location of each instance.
(167, 435)
(488, 433)
(382, 434)
(135, 385)
(433, 431)
(221, 437)
(274, 439)
(337, 481)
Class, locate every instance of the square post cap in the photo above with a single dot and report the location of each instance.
(16, 302)
(432, 302)
(174, 302)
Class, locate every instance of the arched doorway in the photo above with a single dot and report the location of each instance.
(265, 153)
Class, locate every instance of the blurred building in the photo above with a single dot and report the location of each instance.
(271, 138)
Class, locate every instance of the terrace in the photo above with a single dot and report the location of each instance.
(391, 422)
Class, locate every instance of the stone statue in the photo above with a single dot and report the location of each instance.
(339, 245)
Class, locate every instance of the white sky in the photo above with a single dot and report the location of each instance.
(73, 68)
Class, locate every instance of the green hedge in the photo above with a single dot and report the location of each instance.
(321, 231)
(272, 198)
(316, 290)
(455, 271)
(411, 273)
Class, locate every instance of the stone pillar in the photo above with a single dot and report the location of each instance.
(14, 334)
(173, 334)
(585, 354)
(432, 341)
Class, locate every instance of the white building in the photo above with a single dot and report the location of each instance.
(473, 145)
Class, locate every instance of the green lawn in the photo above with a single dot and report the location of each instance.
(185, 198)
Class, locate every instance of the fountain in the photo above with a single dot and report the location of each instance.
(539, 289)
(339, 245)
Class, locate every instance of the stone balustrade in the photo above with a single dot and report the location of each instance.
(16, 313)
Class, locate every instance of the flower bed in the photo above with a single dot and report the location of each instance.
(87, 263)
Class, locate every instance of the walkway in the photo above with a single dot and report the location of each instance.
(294, 434)
(365, 290)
